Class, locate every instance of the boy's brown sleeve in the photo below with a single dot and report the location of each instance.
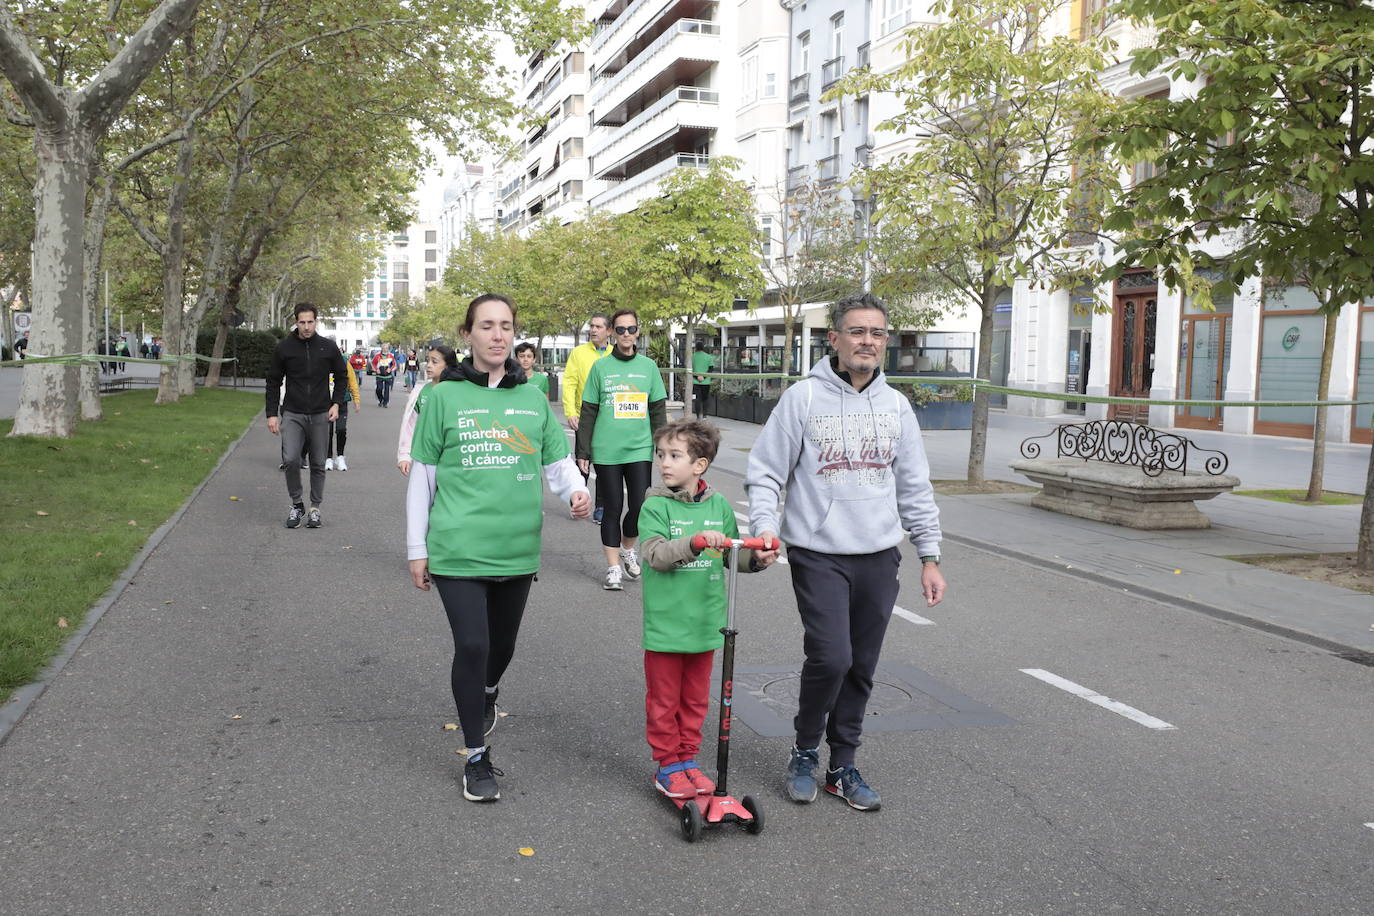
(665, 555)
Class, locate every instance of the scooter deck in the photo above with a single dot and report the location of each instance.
(716, 809)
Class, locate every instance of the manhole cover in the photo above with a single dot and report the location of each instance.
(885, 699)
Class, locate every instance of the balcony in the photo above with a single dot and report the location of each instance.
(684, 107)
(861, 59)
(863, 156)
(688, 39)
(642, 21)
(513, 187)
(828, 169)
(797, 177)
(799, 89)
(625, 195)
(831, 71)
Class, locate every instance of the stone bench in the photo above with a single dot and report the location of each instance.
(1122, 494)
(1124, 474)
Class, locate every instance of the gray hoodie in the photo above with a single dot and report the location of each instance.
(854, 467)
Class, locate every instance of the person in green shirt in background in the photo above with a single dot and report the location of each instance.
(575, 370)
(702, 361)
(474, 510)
(622, 404)
(524, 355)
(684, 600)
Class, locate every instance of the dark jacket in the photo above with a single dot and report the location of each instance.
(306, 365)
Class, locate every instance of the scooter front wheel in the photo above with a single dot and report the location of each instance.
(691, 822)
(751, 805)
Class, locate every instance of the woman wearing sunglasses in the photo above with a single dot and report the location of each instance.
(623, 403)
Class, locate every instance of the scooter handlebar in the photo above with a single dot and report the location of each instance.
(699, 543)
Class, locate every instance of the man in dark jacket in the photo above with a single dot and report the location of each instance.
(306, 361)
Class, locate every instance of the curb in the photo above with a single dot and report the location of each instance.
(14, 710)
(1339, 649)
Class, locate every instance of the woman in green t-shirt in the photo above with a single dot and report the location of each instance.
(623, 403)
(474, 510)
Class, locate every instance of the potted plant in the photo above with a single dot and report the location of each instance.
(942, 406)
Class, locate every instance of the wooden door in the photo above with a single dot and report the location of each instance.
(1133, 353)
(1205, 348)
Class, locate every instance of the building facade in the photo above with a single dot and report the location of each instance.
(409, 265)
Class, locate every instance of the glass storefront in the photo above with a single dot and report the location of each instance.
(1204, 359)
(1362, 420)
(1290, 360)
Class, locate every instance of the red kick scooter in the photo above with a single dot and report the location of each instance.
(720, 807)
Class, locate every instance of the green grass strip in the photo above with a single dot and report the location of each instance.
(1299, 497)
(101, 494)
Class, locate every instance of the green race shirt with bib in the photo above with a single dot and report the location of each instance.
(623, 389)
(489, 447)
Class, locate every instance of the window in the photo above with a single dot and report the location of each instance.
(749, 81)
(431, 275)
(572, 105)
(803, 54)
(400, 288)
(896, 14)
(837, 36)
(381, 290)
(431, 237)
(766, 236)
(572, 190)
(400, 270)
(431, 255)
(574, 63)
(770, 85)
(572, 148)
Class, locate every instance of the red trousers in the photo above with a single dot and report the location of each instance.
(677, 696)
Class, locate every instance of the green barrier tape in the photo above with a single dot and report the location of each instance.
(76, 359)
(1075, 397)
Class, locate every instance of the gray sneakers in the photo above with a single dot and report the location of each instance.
(801, 774)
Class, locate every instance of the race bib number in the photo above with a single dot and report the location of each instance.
(631, 405)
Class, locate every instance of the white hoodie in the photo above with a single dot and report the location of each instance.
(854, 467)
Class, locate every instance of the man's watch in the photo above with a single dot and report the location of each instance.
(931, 559)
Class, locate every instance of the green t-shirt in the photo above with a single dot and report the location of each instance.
(684, 609)
(702, 362)
(540, 381)
(489, 446)
(624, 389)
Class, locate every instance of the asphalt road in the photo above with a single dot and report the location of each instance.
(256, 727)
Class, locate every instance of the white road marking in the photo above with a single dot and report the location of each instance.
(1370, 826)
(914, 618)
(1092, 696)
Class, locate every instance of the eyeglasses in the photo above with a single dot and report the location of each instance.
(861, 333)
(627, 329)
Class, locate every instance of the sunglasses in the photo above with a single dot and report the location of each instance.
(627, 329)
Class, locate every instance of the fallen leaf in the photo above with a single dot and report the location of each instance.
(40, 512)
(461, 752)
(133, 524)
(502, 715)
(146, 460)
(236, 717)
(1178, 572)
(233, 499)
(450, 727)
(348, 548)
(100, 553)
(526, 851)
(166, 602)
(62, 623)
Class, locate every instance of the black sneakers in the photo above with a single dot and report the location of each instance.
(479, 779)
(489, 712)
(294, 519)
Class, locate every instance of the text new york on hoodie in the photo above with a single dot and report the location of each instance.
(853, 465)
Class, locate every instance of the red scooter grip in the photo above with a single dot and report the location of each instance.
(699, 543)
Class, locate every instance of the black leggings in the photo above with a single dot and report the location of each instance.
(339, 431)
(613, 482)
(484, 615)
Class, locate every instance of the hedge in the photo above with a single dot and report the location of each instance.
(254, 351)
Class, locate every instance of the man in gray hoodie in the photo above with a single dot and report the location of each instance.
(848, 449)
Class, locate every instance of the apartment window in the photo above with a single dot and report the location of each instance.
(572, 148)
(431, 275)
(369, 289)
(573, 105)
(803, 54)
(766, 236)
(836, 35)
(896, 14)
(431, 255)
(400, 288)
(749, 81)
(400, 270)
(770, 85)
(431, 236)
(381, 290)
(572, 190)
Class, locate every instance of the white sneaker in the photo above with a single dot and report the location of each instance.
(340, 464)
(630, 560)
(329, 464)
(612, 583)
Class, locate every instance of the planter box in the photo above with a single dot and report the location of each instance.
(945, 415)
(747, 408)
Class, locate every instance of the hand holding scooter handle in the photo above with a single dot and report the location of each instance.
(699, 543)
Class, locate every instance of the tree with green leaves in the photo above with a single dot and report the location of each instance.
(810, 250)
(997, 184)
(694, 251)
(1264, 168)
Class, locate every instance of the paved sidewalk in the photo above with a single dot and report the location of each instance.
(1184, 567)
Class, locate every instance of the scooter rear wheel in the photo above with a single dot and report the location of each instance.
(751, 805)
(691, 822)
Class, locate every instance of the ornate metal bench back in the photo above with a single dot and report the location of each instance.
(1119, 442)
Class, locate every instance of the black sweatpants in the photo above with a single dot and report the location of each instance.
(617, 481)
(484, 615)
(702, 392)
(845, 602)
(338, 430)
